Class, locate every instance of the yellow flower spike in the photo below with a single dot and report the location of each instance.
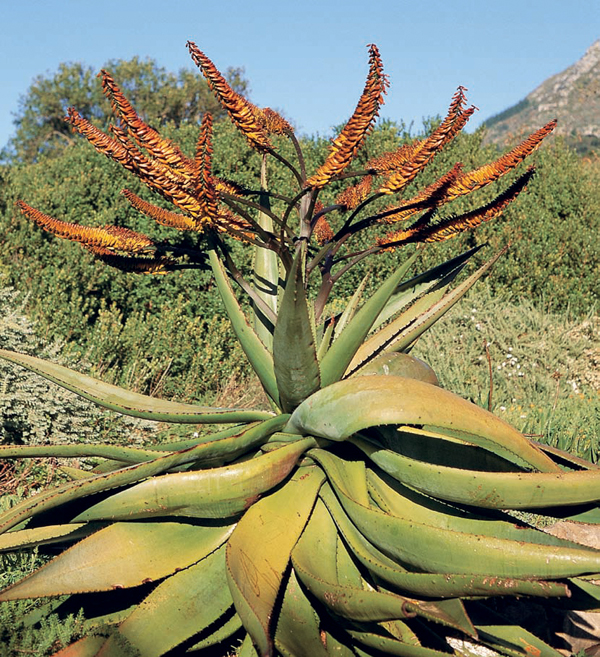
(241, 111)
(345, 146)
(115, 238)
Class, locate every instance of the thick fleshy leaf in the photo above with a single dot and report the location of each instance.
(260, 359)
(258, 552)
(294, 350)
(343, 408)
(492, 490)
(410, 325)
(121, 556)
(515, 641)
(228, 446)
(451, 552)
(388, 645)
(86, 647)
(396, 499)
(211, 493)
(335, 590)
(433, 585)
(428, 281)
(182, 606)
(113, 452)
(341, 352)
(27, 538)
(225, 628)
(298, 630)
(126, 402)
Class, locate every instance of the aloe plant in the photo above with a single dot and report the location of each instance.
(364, 511)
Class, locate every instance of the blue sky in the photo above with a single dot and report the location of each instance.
(309, 58)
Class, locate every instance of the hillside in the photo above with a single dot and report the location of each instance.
(573, 97)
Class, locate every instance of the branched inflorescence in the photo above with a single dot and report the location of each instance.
(363, 513)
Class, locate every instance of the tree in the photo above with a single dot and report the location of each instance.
(160, 97)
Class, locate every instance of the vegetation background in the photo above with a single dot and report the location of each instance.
(526, 343)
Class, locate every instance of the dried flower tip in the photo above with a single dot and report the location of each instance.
(345, 146)
(273, 122)
(242, 112)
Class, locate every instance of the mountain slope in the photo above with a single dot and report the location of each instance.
(572, 97)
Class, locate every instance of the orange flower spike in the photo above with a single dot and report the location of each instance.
(242, 112)
(453, 226)
(353, 196)
(432, 196)
(164, 150)
(425, 150)
(205, 190)
(448, 228)
(488, 173)
(273, 122)
(345, 146)
(107, 237)
(99, 140)
(160, 215)
(161, 265)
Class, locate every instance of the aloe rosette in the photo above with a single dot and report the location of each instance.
(362, 513)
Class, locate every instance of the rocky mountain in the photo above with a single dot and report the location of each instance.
(573, 97)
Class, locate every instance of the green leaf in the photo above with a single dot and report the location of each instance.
(265, 269)
(298, 631)
(227, 447)
(260, 359)
(294, 351)
(334, 589)
(343, 408)
(410, 325)
(515, 641)
(430, 585)
(428, 281)
(27, 538)
(121, 555)
(210, 493)
(130, 403)
(341, 352)
(258, 552)
(182, 606)
(452, 552)
(492, 490)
